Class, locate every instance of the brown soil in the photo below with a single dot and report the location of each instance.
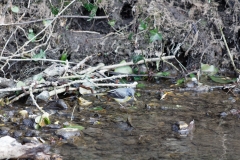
(191, 24)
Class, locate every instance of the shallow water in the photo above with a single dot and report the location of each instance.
(151, 136)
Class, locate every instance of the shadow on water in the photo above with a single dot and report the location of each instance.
(151, 136)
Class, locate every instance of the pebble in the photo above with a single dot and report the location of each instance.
(4, 130)
(17, 134)
(29, 122)
(58, 105)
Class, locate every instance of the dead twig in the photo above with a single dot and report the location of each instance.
(64, 16)
(139, 62)
(80, 64)
(32, 96)
(132, 85)
(228, 51)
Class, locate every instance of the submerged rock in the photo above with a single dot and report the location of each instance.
(17, 134)
(31, 140)
(4, 130)
(183, 128)
(31, 133)
(29, 122)
(43, 96)
(93, 132)
(68, 133)
(56, 105)
(53, 126)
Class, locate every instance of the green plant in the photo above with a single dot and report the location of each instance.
(142, 26)
(137, 58)
(15, 9)
(31, 35)
(64, 56)
(155, 35)
(40, 55)
(54, 10)
(92, 8)
(111, 22)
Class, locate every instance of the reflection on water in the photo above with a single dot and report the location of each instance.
(152, 137)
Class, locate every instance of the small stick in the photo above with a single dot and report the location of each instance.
(73, 111)
(139, 62)
(37, 59)
(64, 16)
(32, 96)
(117, 85)
(81, 63)
(229, 53)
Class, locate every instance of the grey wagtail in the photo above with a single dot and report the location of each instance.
(122, 95)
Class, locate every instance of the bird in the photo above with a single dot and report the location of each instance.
(122, 95)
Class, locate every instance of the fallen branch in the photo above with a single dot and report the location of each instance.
(132, 85)
(139, 62)
(37, 59)
(64, 16)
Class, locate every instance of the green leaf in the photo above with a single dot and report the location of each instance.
(75, 126)
(140, 85)
(91, 8)
(47, 120)
(180, 81)
(138, 94)
(93, 13)
(88, 6)
(15, 9)
(163, 74)
(223, 80)
(64, 56)
(142, 26)
(130, 36)
(97, 108)
(39, 78)
(137, 78)
(41, 55)
(42, 120)
(37, 126)
(123, 81)
(155, 35)
(135, 70)
(124, 69)
(207, 69)
(54, 10)
(46, 22)
(137, 58)
(20, 84)
(31, 35)
(192, 75)
(111, 23)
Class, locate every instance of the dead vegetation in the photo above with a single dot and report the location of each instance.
(35, 36)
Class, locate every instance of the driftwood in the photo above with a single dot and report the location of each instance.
(10, 148)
